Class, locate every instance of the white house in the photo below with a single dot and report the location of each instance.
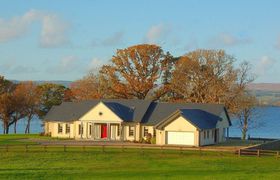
(131, 120)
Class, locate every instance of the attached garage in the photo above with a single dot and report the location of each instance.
(187, 127)
(180, 138)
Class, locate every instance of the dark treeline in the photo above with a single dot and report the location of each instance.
(141, 72)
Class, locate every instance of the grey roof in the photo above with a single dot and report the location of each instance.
(128, 110)
(133, 110)
(159, 111)
(201, 119)
(124, 112)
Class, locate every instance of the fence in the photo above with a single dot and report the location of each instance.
(104, 147)
(140, 148)
(258, 152)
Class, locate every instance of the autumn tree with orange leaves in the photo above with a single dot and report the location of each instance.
(209, 76)
(92, 86)
(135, 71)
(30, 95)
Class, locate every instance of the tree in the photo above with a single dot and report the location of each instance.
(7, 106)
(18, 101)
(6, 111)
(30, 95)
(5, 85)
(209, 76)
(163, 92)
(51, 94)
(135, 71)
(92, 86)
(247, 113)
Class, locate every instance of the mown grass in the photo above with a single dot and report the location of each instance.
(114, 163)
(18, 139)
(54, 162)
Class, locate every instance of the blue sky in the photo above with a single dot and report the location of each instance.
(63, 40)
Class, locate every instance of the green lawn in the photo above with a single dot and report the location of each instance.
(92, 163)
(17, 139)
(133, 164)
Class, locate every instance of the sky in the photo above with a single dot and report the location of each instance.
(63, 40)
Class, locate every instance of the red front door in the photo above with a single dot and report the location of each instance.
(104, 131)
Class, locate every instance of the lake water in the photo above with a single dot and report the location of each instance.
(267, 124)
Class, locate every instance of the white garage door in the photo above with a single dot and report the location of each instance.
(180, 138)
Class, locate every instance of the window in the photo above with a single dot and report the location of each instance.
(60, 128)
(146, 131)
(131, 131)
(90, 129)
(213, 133)
(154, 132)
(67, 128)
(80, 129)
(204, 132)
(207, 134)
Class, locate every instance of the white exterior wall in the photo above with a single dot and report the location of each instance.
(179, 124)
(222, 125)
(207, 140)
(52, 128)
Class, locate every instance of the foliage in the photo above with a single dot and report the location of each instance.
(246, 115)
(153, 140)
(209, 76)
(144, 72)
(92, 86)
(51, 94)
(7, 109)
(30, 95)
(135, 71)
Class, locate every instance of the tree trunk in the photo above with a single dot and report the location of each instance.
(244, 133)
(15, 127)
(27, 128)
(245, 125)
(7, 129)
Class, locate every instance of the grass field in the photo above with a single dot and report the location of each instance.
(130, 164)
(134, 164)
(17, 139)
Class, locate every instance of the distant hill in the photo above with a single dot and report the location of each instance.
(64, 83)
(265, 87)
(266, 93)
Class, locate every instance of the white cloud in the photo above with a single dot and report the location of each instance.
(53, 32)
(17, 26)
(227, 39)
(264, 64)
(158, 33)
(95, 63)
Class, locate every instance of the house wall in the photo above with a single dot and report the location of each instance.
(207, 140)
(97, 115)
(52, 128)
(101, 113)
(160, 137)
(136, 134)
(222, 125)
(179, 124)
